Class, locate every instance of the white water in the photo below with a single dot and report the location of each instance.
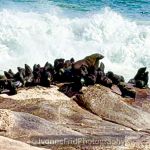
(31, 37)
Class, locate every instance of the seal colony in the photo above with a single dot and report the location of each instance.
(85, 72)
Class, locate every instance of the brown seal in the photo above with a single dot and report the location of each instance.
(89, 61)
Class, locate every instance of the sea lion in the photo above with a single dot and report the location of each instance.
(37, 69)
(116, 79)
(8, 75)
(7, 87)
(101, 78)
(11, 88)
(89, 61)
(71, 89)
(83, 71)
(126, 90)
(140, 73)
(58, 64)
(21, 71)
(46, 78)
(19, 77)
(141, 78)
(72, 60)
(2, 84)
(11, 72)
(49, 67)
(102, 67)
(28, 70)
(90, 79)
(67, 64)
(28, 79)
(139, 83)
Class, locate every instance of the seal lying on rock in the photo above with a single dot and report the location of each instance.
(71, 89)
(127, 90)
(116, 79)
(7, 87)
(141, 78)
(101, 78)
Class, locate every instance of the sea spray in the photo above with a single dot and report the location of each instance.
(37, 37)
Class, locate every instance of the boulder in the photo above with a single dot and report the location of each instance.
(102, 102)
(15, 145)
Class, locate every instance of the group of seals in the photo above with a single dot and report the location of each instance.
(77, 74)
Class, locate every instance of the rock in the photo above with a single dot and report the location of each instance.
(142, 99)
(116, 90)
(23, 126)
(40, 111)
(9, 144)
(101, 101)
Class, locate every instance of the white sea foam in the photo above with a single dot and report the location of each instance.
(33, 37)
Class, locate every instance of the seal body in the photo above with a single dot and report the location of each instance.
(89, 61)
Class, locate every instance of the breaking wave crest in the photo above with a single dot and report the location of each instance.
(34, 37)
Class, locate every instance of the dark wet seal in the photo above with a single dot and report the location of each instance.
(116, 79)
(141, 78)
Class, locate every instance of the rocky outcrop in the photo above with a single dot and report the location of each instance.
(39, 111)
(101, 101)
(9, 144)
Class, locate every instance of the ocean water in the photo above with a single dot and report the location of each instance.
(36, 31)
